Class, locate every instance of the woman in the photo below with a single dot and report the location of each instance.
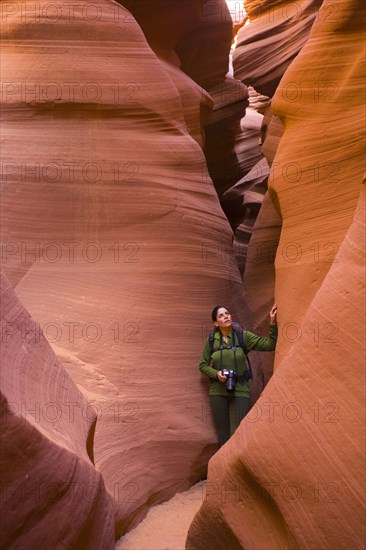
(228, 355)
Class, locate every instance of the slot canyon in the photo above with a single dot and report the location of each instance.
(159, 157)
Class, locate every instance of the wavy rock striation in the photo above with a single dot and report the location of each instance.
(46, 452)
(196, 40)
(271, 39)
(287, 497)
(272, 36)
(114, 236)
(293, 474)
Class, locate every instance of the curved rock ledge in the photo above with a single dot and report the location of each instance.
(47, 430)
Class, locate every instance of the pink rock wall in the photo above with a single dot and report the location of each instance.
(204, 51)
(46, 453)
(198, 31)
(293, 476)
(114, 237)
(196, 40)
(117, 245)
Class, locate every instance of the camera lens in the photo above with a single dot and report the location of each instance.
(231, 380)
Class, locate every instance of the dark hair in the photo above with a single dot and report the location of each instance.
(215, 310)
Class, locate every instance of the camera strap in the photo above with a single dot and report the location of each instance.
(221, 346)
(234, 350)
(232, 347)
(240, 378)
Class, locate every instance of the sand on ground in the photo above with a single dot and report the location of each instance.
(166, 525)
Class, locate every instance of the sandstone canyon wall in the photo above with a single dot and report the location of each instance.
(115, 242)
(110, 232)
(46, 451)
(271, 38)
(293, 475)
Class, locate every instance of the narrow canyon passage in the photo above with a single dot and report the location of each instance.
(159, 157)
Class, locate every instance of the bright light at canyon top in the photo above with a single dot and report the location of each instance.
(237, 12)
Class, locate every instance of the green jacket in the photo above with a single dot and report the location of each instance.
(210, 364)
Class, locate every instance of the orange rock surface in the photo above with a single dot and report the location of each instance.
(46, 452)
(293, 475)
(115, 242)
(319, 172)
(271, 38)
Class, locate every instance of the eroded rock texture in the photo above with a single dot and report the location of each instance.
(114, 237)
(46, 452)
(195, 37)
(322, 166)
(271, 39)
(293, 474)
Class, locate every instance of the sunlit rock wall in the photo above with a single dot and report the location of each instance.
(271, 38)
(293, 475)
(318, 166)
(46, 452)
(113, 236)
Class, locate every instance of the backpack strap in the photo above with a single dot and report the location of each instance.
(238, 330)
(211, 339)
(248, 373)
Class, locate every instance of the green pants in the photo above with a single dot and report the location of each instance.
(222, 406)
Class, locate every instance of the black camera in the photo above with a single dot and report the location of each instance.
(231, 377)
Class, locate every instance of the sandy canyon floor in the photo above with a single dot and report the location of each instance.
(166, 525)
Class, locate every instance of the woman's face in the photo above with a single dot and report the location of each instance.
(223, 318)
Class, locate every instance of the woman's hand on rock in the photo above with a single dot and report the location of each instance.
(273, 314)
